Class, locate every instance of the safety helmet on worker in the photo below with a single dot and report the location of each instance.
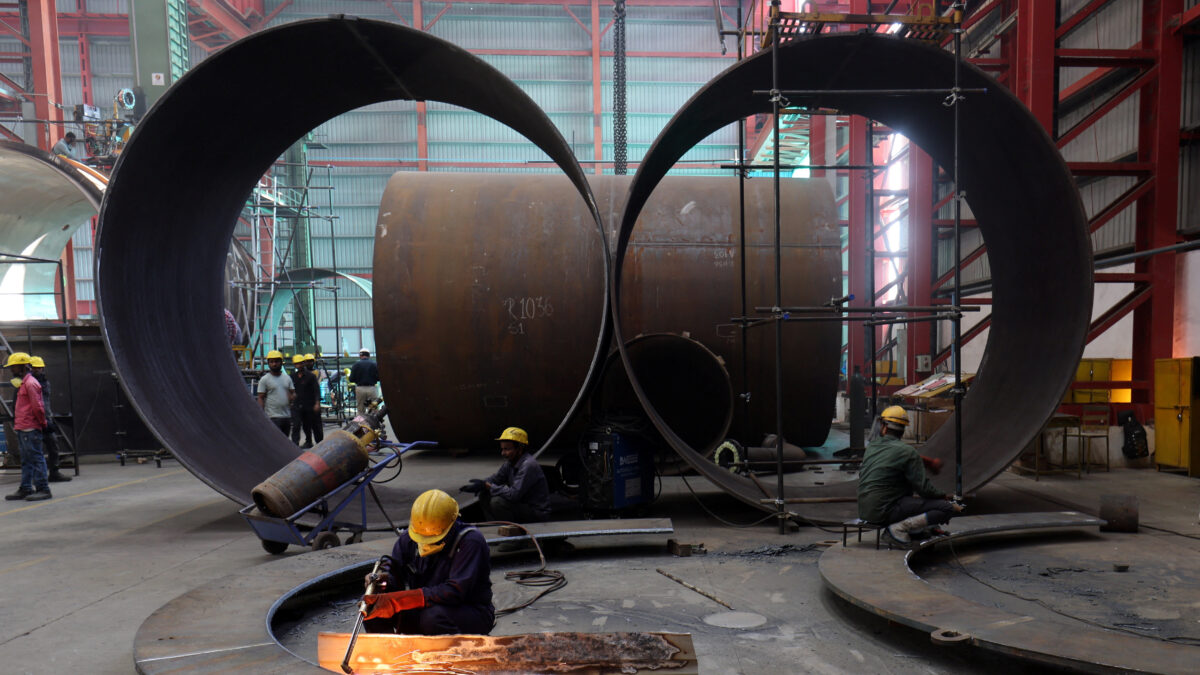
(433, 513)
(298, 359)
(37, 362)
(895, 417)
(310, 357)
(515, 434)
(274, 354)
(18, 359)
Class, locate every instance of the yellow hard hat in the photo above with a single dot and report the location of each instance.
(515, 434)
(18, 359)
(37, 362)
(895, 415)
(432, 515)
(299, 358)
(274, 354)
(309, 357)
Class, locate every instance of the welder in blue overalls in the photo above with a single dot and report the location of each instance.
(437, 581)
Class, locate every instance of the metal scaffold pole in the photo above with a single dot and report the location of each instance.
(776, 101)
(956, 299)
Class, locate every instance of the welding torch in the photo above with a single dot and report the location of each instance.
(362, 612)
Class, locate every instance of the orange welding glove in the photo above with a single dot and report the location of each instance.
(385, 605)
(932, 464)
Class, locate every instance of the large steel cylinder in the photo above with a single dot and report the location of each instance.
(157, 303)
(485, 290)
(316, 472)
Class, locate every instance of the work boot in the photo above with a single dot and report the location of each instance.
(39, 495)
(21, 493)
(59, 477)
(899, 532)
(894, 542)
(306, 446)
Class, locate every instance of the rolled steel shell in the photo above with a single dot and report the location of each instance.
(1021, 194)
(688, 383)
(182, 181)
(484, 285)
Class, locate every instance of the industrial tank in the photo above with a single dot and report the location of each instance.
(488, 289)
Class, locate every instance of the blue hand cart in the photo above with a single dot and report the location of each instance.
(278, 533)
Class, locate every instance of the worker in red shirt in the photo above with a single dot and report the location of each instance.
(29, 419)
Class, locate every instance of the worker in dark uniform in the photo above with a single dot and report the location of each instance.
(891, 474)
(364, 374)
(518, 491)
(306, 406)
(437, 581)
(49, 443)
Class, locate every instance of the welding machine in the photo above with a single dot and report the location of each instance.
(618, 471)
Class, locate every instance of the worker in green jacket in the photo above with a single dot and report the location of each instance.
(891, 474)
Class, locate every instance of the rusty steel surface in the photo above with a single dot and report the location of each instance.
(548, 652)
(1018, 188)
(183, 179)
(883, 583)
(43, 200)
(484, 286)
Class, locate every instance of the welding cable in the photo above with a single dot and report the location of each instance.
(1179, 639)
(551, 580)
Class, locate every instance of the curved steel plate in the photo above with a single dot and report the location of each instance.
(44, 198)
(1019, 189)
(184, 177)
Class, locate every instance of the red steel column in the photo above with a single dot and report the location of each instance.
(1158, 143)
(597, 89)
(1035, 81)
(856, 246)
(921, 237)
(47, 73)
(418, 20)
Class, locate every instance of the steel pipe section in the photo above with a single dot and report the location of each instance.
(475, 313)
(285, 293)
(184, 177)
(1020, 192)
(44, 199)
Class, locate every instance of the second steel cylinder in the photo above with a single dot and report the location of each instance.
(489, 291)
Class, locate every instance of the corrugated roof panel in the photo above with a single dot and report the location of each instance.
(354, 254)
(558, 68)
(355, 189)
(511, 32)
(668, 69)
(514, 153)
(364, 151)
(108, 6)
(559, 96)
(68, 55)
(1096, 195)
(1111, 137)
(1190, 116)
(111, 56)
(370, 127)
(659, 97)
(1117, 25)
(355, 311)
(1189, 189)
(72, 93)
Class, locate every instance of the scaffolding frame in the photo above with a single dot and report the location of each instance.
(779, 25)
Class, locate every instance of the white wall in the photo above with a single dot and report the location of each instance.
(1187, 305)
(1116, 342)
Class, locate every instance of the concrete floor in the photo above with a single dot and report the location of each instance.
(82, 571)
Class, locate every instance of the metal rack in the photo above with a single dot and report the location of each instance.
(781, 26)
